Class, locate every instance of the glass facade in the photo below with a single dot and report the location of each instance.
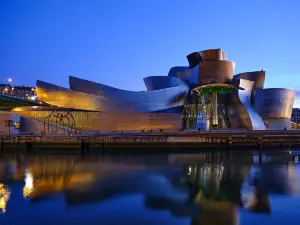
(198, 112)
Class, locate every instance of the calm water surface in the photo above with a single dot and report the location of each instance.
(206, 188)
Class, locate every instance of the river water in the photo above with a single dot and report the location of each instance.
(205, 188)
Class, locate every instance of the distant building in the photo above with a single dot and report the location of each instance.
(295, 115)
(4, 88)
(22, 92)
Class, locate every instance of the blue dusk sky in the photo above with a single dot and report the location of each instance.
(118, 42)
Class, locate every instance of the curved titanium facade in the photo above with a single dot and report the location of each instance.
(176, 71)
(213, 55)
(255, 121)
(258, 77)
(274, 102)
(220, 71)
(185, 73)
(161, 82)
(142, 101)
(66, 98)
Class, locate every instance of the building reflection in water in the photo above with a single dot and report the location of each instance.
(209, 190)
(219, 187)
(49, 178)
(214, 194)
(4, 197)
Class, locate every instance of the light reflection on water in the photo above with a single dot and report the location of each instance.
(4, 197)
(28, 186)
(207, 188)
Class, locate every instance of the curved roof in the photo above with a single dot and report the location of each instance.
(63, 97)
(89, 95)
(161, 82)
(185, 73)
(174, 71)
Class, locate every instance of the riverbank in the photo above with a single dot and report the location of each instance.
(152, 142)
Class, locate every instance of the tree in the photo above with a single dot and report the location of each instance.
(9, 124)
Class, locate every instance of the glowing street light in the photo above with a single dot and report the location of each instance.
(9, 80)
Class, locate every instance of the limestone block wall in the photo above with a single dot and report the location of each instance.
(117, 121)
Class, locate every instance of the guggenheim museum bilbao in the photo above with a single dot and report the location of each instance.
(203, 95)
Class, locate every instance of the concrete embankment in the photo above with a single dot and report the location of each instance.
(151, 142)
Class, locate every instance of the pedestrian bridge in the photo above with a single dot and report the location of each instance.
(9, 102)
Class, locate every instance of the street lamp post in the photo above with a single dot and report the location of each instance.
(9, 85)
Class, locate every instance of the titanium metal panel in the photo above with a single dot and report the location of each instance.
(66, 98)
(274, 102)
(176, 70)
(142, 101)
(161, 82)
(212, 54)
(185, 73)
(211, 72)
(245, 96)
(240, 110)
(258, 77)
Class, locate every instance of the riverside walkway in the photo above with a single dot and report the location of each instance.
(226, 138)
